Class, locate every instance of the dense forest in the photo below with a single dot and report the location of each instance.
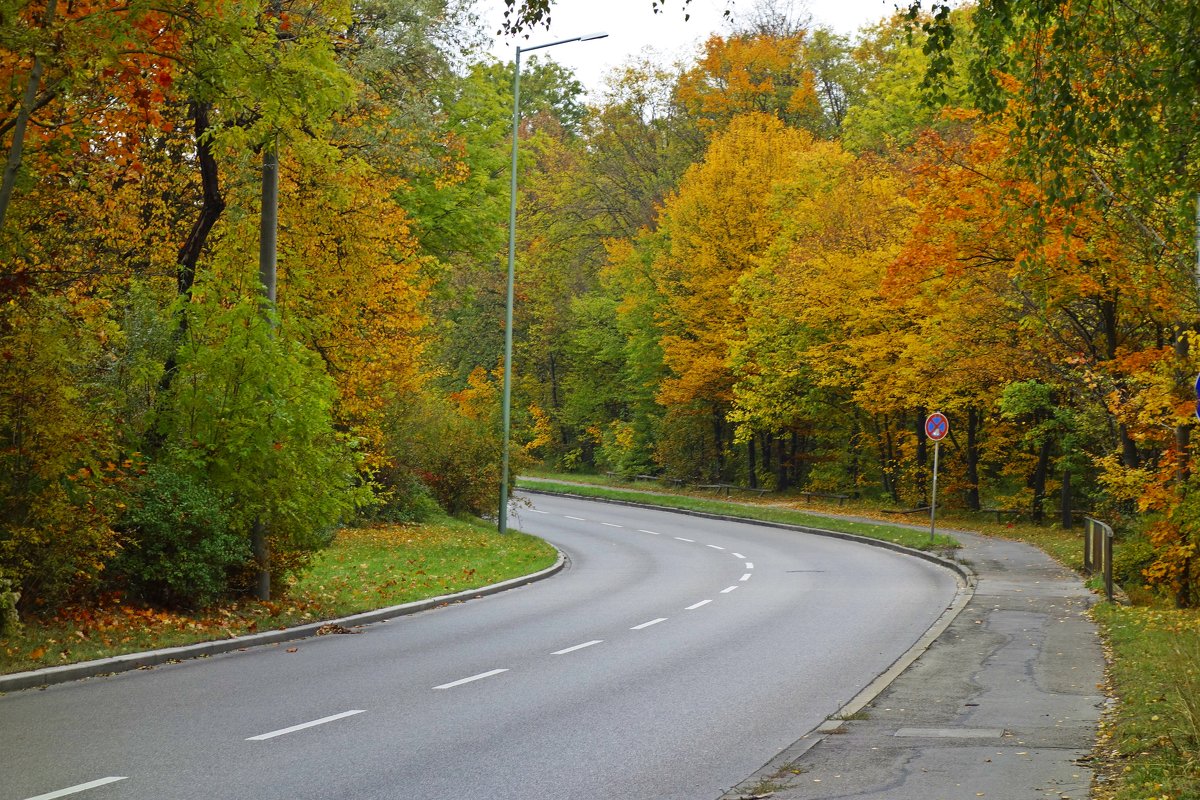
(766, 265)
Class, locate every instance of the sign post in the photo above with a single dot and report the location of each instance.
(936, 428)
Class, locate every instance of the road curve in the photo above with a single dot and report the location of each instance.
(674, 657)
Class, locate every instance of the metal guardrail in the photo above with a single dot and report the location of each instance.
(1098, 552)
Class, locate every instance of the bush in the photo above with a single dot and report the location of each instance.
(181, 551)
(1131, 556)
(9, 597)
(406, 499)
(250, 415)
(454, 453)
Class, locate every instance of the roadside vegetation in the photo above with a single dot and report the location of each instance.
(763, 266)
(1149, 742)
(767, 510)
(365, 568)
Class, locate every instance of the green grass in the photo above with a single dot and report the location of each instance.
(364, 569)
(918, 539)
(1150, 743)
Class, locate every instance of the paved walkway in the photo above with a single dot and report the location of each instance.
(1004, 704)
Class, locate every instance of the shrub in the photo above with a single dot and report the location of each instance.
(181, 551)
(1131, 556)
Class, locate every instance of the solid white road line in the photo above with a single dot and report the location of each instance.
(680, 538)
(303, 725)
(478, 677)
(612, 524)
(749, 565)
(745, 577)
(82, 787)
(728, 589)
(652, 533)
(714, 547)
(697, 605)
(566, 650)
(648, 624)
(577, 519)
(738, 555)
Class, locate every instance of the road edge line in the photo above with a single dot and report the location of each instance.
(48, 676)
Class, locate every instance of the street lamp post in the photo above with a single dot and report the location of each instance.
(506, 403)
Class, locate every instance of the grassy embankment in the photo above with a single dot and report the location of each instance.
(767, 510)
(1149, 743)
(364, 569)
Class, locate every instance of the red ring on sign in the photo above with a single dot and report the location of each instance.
(937, 426)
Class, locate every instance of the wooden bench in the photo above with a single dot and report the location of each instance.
(917, 510)
(841, 498)
(998, 513)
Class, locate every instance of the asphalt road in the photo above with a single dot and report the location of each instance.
(672, 658)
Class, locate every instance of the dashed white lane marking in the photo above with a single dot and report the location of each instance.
(566, 650)
(745, 577)
(612, 524)
(81, 787)
(714, 547)
(577, 519)
(652, 533)
(303, 725)
(478, 677)
(534, 510)
(728, 589)
(738, 555)
(648, 624)
(697, 605)
(680, 538)
(749, 565)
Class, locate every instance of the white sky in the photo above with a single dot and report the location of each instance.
(632, 26)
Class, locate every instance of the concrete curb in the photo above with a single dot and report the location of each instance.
(967, 581)
(130, 661)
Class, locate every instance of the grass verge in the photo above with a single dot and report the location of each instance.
(364, 569)
(1149, 743)
(917, 539)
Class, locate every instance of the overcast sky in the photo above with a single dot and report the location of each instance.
(632, 26)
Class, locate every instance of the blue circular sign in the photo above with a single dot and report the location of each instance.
(937, 426)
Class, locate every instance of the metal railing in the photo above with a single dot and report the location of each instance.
(1098, 552)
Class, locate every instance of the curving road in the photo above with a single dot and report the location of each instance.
(673, 658)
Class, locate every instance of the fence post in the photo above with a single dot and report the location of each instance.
(1098, 552)
(1087, 545)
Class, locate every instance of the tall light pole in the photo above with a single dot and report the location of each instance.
(506, 407)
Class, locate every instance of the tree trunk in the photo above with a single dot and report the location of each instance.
(751, 463)
(797, 479)
(922, 453)
(212, 205)
(781, 466)
(974, 422)
(1068, 519)
(1037, 481)
(17, 148)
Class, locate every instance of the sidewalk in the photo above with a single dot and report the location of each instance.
(1004, 704)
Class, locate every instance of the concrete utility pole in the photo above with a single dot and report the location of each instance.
(268, 237)
(506, 397)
